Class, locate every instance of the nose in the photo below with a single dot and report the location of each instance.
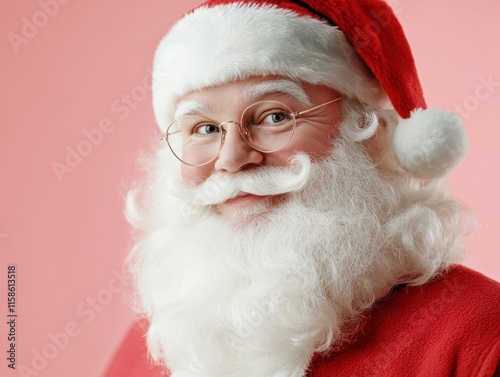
(235, 153)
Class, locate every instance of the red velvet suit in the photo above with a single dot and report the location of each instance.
(447, 327)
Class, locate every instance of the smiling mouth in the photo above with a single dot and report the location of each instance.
(245, 199)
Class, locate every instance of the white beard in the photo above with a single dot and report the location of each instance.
(257, 293)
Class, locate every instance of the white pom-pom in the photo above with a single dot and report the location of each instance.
(431, 143)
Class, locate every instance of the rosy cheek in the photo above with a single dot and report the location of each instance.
(195, 174)
(281, 157)
(318, 141)
(322, 148)
(317, 146)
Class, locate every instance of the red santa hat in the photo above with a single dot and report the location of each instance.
(356, 47)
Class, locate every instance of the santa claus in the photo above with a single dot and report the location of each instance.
(293, 222)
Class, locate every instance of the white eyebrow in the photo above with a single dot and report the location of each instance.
(189, 108)
(287, 87)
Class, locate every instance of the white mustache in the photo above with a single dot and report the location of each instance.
(268, 180)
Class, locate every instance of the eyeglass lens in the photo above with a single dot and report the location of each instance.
(266, 126)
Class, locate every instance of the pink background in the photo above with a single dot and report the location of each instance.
(67, 234)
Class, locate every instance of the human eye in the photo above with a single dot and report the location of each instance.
(268, 116)
(205, 129)
(274, 118)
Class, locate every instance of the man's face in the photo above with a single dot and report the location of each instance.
(305, 267)
(313, 134)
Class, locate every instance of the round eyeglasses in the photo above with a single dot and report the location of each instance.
(267, 126)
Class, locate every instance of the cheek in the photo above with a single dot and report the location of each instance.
(196, 174)
(315, 141)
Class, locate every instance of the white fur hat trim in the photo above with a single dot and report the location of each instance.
(220, 44)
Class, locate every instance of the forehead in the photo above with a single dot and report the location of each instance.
(240, 94)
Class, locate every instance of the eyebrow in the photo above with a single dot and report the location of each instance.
(256, 92)
(187, 108)
(287, 87)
